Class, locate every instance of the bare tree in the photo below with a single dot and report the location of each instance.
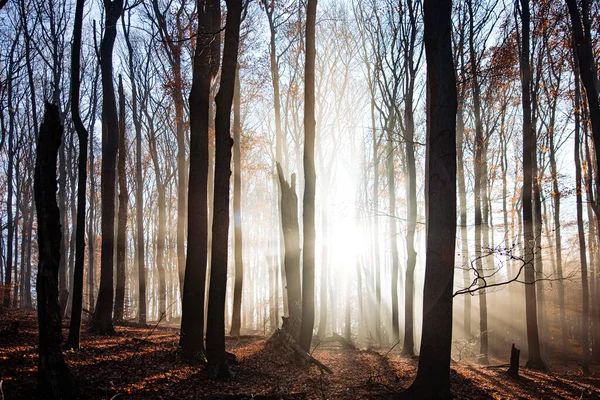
(433, 375)
(102, 318)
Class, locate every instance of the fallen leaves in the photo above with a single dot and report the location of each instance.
(141, 363)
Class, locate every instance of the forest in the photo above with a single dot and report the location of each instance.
(299, 199)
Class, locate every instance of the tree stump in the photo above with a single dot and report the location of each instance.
(513, 370)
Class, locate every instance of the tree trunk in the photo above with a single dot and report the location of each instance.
(139, 193)
(308, 217)
(433, 375)
(581, 234)
(533, 342)
(556, 195)
(122, 217)
(581, 25)
(91, 225)
(215, 333)
(479, 166)
(237, 213)
(101, 320)
(192, 320)
(54, 379)
(74, 328)
(9, 207)
(291, 235)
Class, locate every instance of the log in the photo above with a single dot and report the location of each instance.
(284, 339)
(513, 370)
(344, 342)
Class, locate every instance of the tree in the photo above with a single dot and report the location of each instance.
(433, 375)
(173, 46)
(74, 328)
(581, 25)
(291, 237)
(308, 217)
(206, 62)
(533, 341)
(139, 193)
(54, 378)
(122, 215)
(480, 160)
(237, 212)
(102, 318)
(215, 332)
(585, 322)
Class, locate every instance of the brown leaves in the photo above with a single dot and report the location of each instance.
(138, 364)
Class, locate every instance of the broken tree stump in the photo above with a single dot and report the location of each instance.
(513, 369)
(284, 339)
(344, 342)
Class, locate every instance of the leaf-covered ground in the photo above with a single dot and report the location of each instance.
(143, 363)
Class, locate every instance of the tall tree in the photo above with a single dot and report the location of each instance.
(102, 318)
(206, 62)
(122, 214)
(237, 212)
(433, 375)
(585, 320)
(139, 178)
(74, 328)
(308, 217)
(54, 378)
(411, 48)
(480, 159)
(582, 34)
(533, 341)
(215, 332)
(172, 42)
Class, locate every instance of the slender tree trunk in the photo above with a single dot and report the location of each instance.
(308, 217)
(74, 328)
(581, 234)
(411, 254)
(122, 217)
(192, 321)
(9, 178)
(556, 195)
(215, 333)
(533, 342)
(139, 193)
(237, 213)
(480, 159)
(102, 318)
(91, 224)
(391, 182)
(54, 379)
(433, 375)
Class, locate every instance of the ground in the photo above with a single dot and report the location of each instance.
(144, 363)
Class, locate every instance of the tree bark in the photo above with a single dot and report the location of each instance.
(75, 325)
(215, 333)
(54, 379)
(291, 236)
(139, 193)
(122, 217)
(533, 342)
(433, 375)
(102, 318)
(308, 217)
(237, 212)
(580, 232)
(192, 320)
(581, 25)
(479, 166)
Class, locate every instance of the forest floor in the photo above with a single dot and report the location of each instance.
(143, 363)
